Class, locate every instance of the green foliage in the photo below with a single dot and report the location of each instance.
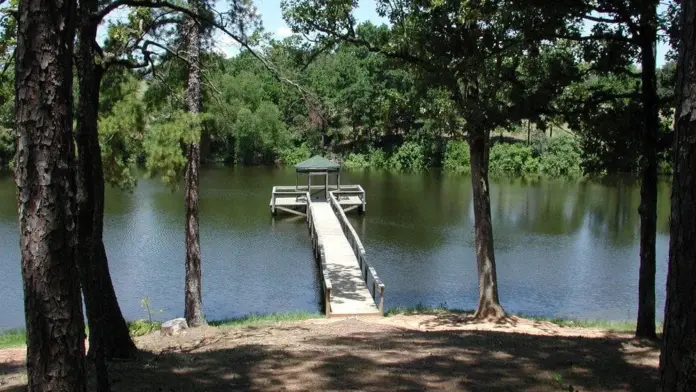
(293, 155)
(12, 338)
(259, 135)
(7, 147)
(143, 327)
(165, 144)
(378, 159)
(356, 161)
(512, 159)
(408, 157)
(457, 159)
(121, 135)
(253, 319)
(561, 157)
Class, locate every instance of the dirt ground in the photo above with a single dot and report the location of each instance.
(406, 353)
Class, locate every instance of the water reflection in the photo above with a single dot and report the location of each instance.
(563, 248)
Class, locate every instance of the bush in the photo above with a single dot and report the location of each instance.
(512, 159)
(561, 157)
(457, 159)
(143, 327)
(408, 157)
(294, 155)
(356, 161)
(378, 159)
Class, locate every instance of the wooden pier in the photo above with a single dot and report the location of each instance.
(350, 285)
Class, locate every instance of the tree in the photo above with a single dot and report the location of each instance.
(109, 337)
(678, 356)
(193, 301)
(626, 31)
(45, 176)
(475, 52)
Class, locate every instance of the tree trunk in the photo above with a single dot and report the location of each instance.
(193, 301)
(645, 327)
(108, 328)
(45, 178)
(678, 357)
(489, 304)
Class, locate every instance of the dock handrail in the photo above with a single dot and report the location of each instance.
(359, 251)
(318, 248)
(353, 190)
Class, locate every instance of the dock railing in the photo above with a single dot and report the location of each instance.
(377, 287)
(279, 191)
(318, 249)
(351, 190)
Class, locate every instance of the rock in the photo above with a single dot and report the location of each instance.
(173, 327)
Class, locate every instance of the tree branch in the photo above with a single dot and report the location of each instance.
(601, 20)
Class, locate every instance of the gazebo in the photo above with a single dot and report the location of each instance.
(318, 166)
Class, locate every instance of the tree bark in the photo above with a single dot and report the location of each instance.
(678, 356)
(45, 178)
(108, 329)
(645, 327)
(489, 304)
(193, 300)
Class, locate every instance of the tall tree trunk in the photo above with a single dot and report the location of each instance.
(108, 328)
(489, 304)
(678, 357)
(45, 178)
(645, 327)
(193, 301)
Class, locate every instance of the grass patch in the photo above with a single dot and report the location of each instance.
(143, 327)
(12, 338)
(265, 319)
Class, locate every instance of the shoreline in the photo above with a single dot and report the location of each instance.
(16, 337)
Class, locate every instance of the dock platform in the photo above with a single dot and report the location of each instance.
(293, 199)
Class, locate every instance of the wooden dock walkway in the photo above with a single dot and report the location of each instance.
(351, 286)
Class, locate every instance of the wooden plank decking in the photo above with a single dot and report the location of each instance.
(293, 200)
(349, 295)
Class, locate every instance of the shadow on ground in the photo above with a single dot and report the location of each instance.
(396, 359)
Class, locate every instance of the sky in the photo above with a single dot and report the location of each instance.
(272, 19)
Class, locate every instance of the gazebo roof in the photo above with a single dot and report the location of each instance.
(317, 164)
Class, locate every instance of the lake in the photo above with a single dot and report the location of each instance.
(563, 248)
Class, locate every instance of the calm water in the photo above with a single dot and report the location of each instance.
(563, 249)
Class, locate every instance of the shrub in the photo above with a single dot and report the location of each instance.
(561, 157)
(457, 159)
(294, 155)
(512, 159)
(356, 161)
(378, 159)
(408, 157)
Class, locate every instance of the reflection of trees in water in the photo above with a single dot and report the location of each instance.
(8, 189)
(607, 207)
(414, 210)
(538, 206)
